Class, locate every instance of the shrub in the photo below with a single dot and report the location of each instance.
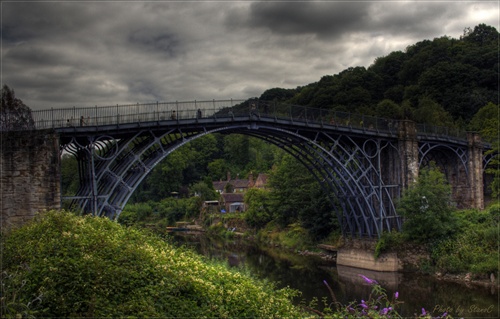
(474, 248)
(426, 208)
(62, 265)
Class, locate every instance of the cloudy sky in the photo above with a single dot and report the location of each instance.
(86, 53)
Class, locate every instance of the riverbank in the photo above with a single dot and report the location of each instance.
(306, 270)
(467, 257)
(411, 258)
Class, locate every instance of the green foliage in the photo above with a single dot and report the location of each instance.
(61, 265)
(296, 237)
(389, 109)
(297, 197)
(426, 208)
(292, 237)
(136, 212)
(474, 248)
(167, 211)
(257, 214)
(459, 75)
(388, 240)
(430, 112)
(205, 190)
(69, 175)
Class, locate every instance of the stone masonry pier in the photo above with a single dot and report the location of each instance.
(29, 175)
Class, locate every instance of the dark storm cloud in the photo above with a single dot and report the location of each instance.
(324, 19)
(59, 54)
(333, 20)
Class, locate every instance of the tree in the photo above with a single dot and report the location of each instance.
(431, 113)
(257, 214)
(204, 189)
(426, 208)
(481, 35)
(14, 114)
(389, 109)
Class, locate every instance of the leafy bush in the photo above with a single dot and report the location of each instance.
(426, 208)
(257, 214)
(62, 265)
(475, 247)
(388, 240)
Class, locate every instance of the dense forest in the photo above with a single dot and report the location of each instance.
(445, 82)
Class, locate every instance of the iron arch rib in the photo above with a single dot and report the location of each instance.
(114, 168)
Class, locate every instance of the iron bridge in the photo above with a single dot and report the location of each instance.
(357, 160)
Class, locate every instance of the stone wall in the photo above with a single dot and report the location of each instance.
(364, 259)
(29, 175)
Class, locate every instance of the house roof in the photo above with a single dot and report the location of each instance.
(232, 197)
(260, 182)
(239, 183)
(219, 186)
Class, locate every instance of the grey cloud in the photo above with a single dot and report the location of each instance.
(86, 53)
(162, 42)
(324, 19)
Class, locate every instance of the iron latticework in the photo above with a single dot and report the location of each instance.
(356, 159)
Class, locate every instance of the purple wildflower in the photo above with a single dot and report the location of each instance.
(396, 295)
(363, 304)
(368, 280)
(384, 311)
(444, 315)
(423, 312)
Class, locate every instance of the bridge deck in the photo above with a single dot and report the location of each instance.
(124, 119)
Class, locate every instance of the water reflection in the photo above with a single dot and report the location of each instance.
(307, 273)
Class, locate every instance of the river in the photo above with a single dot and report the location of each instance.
(307, 273)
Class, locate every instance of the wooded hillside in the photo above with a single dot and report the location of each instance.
(443, 81)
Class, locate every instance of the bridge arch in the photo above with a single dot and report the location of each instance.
(113, 167)
(362, 162)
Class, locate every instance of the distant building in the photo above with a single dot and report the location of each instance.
(232, 191)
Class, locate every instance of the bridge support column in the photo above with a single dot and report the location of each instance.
(475, 168)
(408, 149)
(30, 175)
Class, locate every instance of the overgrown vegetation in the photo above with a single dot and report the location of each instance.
(62, 265)
(459, 241)
(426, 208)
(474, 246)
(163, 213)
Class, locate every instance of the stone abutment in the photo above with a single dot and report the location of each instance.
(30, 172)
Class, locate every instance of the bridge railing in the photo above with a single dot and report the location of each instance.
(441, 131)
(131, 113)
(160, 111)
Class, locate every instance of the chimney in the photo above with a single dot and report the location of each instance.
(250, 180)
